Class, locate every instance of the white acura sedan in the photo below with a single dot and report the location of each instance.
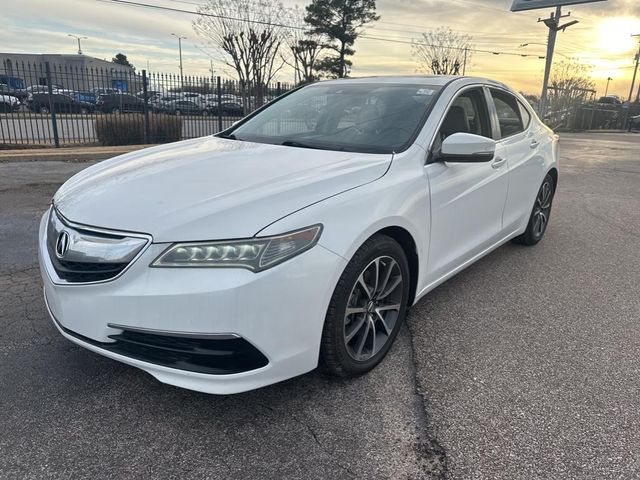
(300, 235)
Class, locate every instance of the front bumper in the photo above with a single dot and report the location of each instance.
(279, 312)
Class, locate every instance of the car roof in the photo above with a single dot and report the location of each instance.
(435, 80)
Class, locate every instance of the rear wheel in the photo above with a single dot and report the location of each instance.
(44, 109)
(367, 308)
(116, 111)
(539, 219)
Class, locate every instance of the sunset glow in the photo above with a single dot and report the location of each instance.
(601, 39)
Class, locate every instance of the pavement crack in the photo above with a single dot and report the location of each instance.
(428, 449)
(315, 437)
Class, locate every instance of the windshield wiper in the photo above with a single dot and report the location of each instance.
(295, 143)
(229, 136)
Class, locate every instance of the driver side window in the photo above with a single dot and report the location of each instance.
(467, 114)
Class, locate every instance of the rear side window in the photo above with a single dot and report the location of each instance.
(509, 114)
(525, 115)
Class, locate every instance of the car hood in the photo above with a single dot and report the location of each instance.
(210, 188)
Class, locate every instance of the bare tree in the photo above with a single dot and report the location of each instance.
(250, 35)
(570, 84)
(303, 48)
(442, 52)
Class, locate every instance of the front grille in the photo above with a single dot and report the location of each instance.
(92, 255)
(201, 355)
(83, 271)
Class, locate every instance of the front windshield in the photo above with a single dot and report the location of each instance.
(358, 117)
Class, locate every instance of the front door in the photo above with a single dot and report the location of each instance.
(467, 199)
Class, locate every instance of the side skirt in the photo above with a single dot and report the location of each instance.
(464, 265)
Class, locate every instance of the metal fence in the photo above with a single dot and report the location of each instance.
(46, 104)
(594, 116)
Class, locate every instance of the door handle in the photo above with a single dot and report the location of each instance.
(498, 162)
(535, 144)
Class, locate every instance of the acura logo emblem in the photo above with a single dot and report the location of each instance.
(62, 244)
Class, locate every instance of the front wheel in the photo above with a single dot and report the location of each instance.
(539, 219)
(367, 308)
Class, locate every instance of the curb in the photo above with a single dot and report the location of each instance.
(81, 154)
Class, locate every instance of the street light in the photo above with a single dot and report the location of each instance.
(180, 51)
(78, 38)
(522, 45)
(635, 72)
(607, 89)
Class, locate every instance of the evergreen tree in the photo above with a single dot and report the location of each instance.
(340, 21)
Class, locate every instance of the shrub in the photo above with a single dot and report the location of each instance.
(128, 129)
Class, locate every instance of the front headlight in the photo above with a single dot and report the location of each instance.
(255, 254)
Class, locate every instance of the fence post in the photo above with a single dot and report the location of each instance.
(145, 107)
(279, 90)
(219, 88)
(52, 108)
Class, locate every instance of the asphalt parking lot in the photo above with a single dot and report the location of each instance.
(524, 366)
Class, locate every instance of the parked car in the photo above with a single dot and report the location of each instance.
(232, 109)
(161, 104)
(610, 100)
(105, 91)
(39, 103)
(230, 262)
(227, 98)
(13, 86)
(181, 107)
(9, 103)
(634, 122)
(150, 93)
(194, 97)
(119, 103)
(87, 97)
(43, 88)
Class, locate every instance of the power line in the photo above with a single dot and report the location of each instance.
(477, 50)
(191, 12)
(365, 36)
(225, 17)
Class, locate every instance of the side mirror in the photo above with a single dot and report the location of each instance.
(467, 148)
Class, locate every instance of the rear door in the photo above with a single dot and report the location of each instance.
(467, 199)
(521, 139)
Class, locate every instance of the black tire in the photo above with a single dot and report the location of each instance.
(335, 357)
(43, 110)
(533, 234)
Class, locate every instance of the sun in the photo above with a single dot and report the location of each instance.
(614, 35)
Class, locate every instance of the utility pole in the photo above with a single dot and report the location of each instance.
(464, 65)
(553, 24)
(78, 38)
(635, 72)
(607, 89)
(180, 52)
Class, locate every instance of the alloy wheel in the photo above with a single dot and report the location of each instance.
(373, 308)
(542, 209)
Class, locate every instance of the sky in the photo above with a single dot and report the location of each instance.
(602, 39)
